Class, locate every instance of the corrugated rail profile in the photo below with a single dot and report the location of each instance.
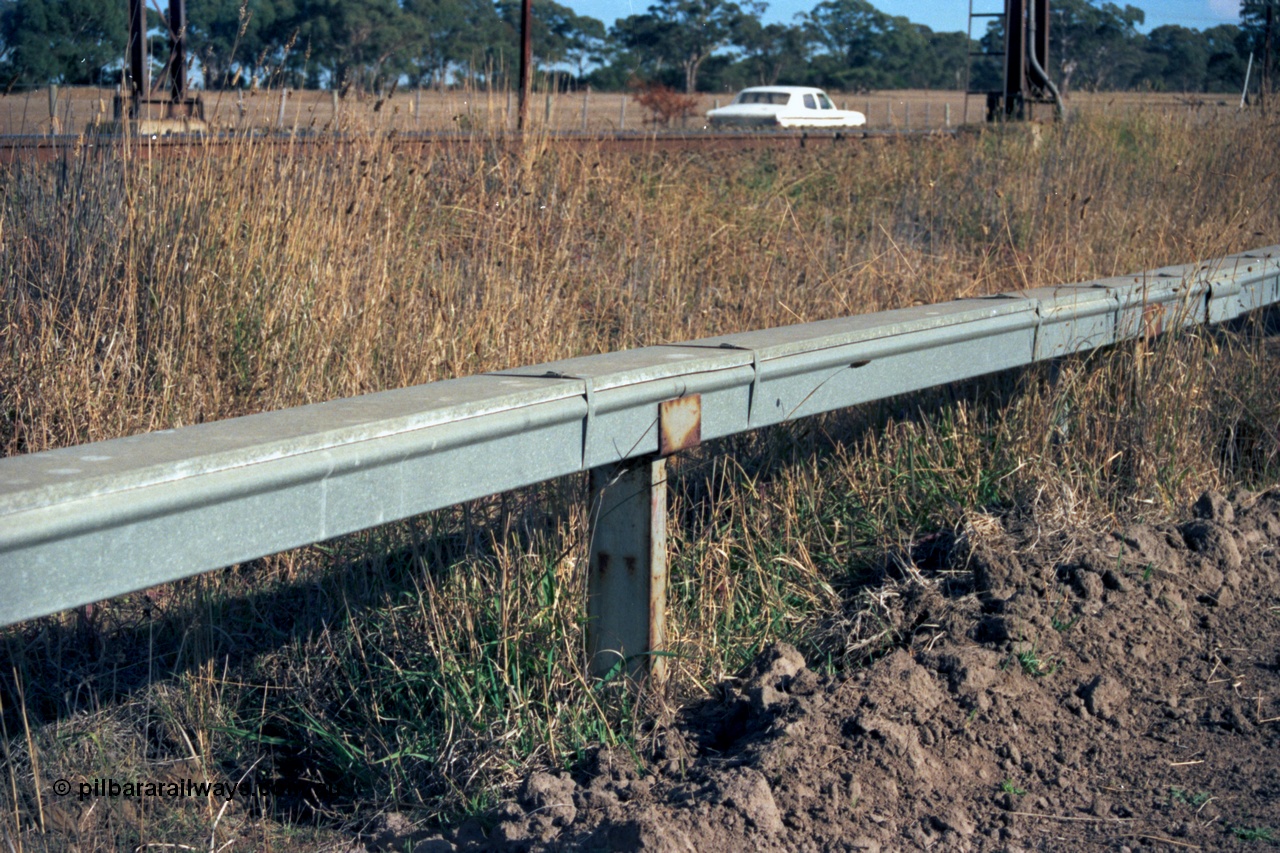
(85, 523)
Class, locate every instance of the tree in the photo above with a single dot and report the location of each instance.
(860, 47)
(773, 52)
(560, 35)
(1181, 59)
(356, 42)
(455, 35)
(1100, 40)
(1224, 68)
(684, 33)
(1259, 20)
(231, 35)
(847, 33)
(949, 56)
(72, 42)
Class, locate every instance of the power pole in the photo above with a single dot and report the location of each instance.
(1265, 88)
(526, 59)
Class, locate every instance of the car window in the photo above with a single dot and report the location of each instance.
(825, 101)
(761, 98)
(810, 103)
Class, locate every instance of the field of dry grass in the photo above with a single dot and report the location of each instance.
(464, 110)
(421, 666)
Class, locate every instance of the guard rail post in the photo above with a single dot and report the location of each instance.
(627, 569)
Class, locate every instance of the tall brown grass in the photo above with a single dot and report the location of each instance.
(421, 666)
(152, 294)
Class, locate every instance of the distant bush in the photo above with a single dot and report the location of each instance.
(665, 105)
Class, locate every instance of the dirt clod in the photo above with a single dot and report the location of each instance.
(1091, 690)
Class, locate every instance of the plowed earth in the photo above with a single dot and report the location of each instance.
(1115, 690)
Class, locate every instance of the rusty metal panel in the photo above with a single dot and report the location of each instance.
(627, 571)
(679, 424)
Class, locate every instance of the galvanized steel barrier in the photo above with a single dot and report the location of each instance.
(85, 523)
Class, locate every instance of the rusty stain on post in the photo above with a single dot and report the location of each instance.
(679, 424)
(626, 610)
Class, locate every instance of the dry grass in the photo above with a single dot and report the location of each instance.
(466, 110)
(420, 667)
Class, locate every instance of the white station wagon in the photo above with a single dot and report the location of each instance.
(783, 106)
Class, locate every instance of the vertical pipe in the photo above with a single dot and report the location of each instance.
(1244, 93)
(284, 96)
(1038, 69)
(622, 113)
(526, 58)
(627, 572)
(1040, 39)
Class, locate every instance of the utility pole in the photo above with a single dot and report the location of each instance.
(526, 59)
(1265, 88)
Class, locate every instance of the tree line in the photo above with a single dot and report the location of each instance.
(706, 45)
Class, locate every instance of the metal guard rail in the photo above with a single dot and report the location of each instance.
(85, 523)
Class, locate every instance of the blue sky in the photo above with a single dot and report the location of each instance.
(949, 15)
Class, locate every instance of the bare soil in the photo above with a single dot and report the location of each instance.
(1069, 690)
